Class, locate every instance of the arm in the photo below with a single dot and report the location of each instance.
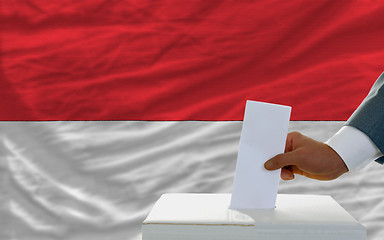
(354, 147)
(318, 160)
(369, 116)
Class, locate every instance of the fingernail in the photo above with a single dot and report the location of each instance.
(268, 165)
(285, 176)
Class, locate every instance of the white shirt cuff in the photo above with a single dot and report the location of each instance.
(354, 147)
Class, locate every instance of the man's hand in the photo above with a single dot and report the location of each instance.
(307, 157)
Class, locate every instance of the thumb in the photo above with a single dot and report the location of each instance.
(281, 160)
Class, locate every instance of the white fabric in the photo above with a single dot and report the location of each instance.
(98, 180)
(354, 147)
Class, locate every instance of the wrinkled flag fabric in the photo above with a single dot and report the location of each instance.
(169, 80)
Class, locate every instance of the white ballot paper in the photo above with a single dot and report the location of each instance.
(263, 136)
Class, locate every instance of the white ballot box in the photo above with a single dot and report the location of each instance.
(208, 217)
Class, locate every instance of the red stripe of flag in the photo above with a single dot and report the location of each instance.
(177, 60)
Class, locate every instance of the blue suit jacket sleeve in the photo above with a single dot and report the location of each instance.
(369, 116)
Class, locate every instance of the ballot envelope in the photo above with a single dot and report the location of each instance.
(208, 217)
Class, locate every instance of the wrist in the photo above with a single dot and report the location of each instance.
(338, 163)
(354, 147)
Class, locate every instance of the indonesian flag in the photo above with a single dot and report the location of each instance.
(169, 81)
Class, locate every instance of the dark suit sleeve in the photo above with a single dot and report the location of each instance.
(369, 116)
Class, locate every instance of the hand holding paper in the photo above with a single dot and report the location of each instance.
(308, 157)
(263, 136)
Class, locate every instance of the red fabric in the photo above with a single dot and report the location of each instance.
(186, 60)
